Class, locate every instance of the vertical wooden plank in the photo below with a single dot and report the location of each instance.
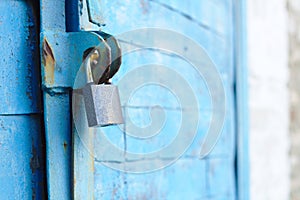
(19, 75)
(21, 146)
(82, 143)
(83, 166)
(56, 112)
(22, 163)
(58, 144)
(210, 23)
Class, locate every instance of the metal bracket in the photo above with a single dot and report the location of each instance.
(62, 55)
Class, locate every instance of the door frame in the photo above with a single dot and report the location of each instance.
(241, 88)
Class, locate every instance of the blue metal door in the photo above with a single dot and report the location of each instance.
(211, 25)
(118, 162)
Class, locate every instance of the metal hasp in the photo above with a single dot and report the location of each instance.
(101, 101)
(63, 44)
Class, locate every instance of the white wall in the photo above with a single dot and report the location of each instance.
(269, 107)
(294, 86)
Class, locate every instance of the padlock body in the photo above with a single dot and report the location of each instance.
(102, 104)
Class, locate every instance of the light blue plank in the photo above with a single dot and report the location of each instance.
(226, 145)
(83, 167)
(69, 165)
(185, 179)
(217, 46)
(59, 144)
(220, 183)
(109, 183)
(56, 114)
(53, 15)
(210, 23)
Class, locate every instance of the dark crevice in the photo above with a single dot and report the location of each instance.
(39, 158)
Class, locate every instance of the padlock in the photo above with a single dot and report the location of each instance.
(102, 104)
(102, 101)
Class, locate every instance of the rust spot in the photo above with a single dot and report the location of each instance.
(34, 160)
(48, 62)
(65, 146)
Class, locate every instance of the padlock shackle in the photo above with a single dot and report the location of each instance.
(88, 70)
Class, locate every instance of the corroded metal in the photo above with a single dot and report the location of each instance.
(62, 54)
(48, 61)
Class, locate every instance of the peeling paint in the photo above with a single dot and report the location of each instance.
(48, 62)
(65, 145)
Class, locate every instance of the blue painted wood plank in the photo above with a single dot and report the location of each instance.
(69, 164)
(83, 166)
(186, 179)
(22, 161)
(19, 67)
(210, 23)
(57, 111)
(82, 143)
(53, 15)
(59, 144)
(216, 32)
(109, 183)
(220, 183)
(21, 147)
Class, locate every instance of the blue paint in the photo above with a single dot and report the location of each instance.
(210, 23)
(68, 163)
(19, 70)
(58, 143)
(94, 12)
(243, 171)
(21, 145)
(53, 15)
(56, 114)
(174, 182)
(67, 49)
(22, 164)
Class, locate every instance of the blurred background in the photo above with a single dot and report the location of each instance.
(274, 82)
